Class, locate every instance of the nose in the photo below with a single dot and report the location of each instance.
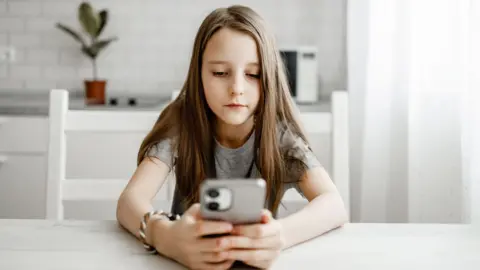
(237, 86)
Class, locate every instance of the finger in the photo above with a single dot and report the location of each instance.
(193, 211)
(270, 242)
(218, 266)
(204, 228)
(214, 244)
(214, 257)
(252, 254)
(257, 230)
(266, 216)
(260, 264)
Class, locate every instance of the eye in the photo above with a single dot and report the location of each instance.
(256, 76)
(219, 73)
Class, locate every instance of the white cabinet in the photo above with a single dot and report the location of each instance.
(103, 155)
(23, 134)
(22, 186)
(23, 166)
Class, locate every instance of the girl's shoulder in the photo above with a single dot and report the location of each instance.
(292, 145)
(164, 150)
(288, 139)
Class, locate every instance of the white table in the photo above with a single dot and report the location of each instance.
(40, 245)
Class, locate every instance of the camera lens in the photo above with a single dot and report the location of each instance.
(213, 193)
(213, 206)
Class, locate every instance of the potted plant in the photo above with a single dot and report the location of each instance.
(93, 24)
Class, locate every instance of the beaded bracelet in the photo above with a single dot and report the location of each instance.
(143, 227)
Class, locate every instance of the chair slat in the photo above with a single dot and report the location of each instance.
(111, 121)
(98, 189)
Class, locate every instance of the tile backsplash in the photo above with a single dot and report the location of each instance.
(155, 40)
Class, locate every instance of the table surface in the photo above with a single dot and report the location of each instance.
(42, 244)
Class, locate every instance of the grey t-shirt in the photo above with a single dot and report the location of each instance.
(238, 163)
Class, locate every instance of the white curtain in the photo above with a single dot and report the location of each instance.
(411, 74)
(471, 119)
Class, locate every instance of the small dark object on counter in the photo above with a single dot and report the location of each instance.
(113, 101)
(132, 101)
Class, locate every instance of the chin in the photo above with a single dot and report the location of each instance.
(235, 121)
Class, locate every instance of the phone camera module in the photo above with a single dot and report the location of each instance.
(213, 193)
(213, 206)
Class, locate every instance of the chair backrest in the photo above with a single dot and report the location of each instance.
(341, 145)
(63, 120)
(335, 123)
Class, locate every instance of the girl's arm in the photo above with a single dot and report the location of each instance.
(136, 199)
(324, 212)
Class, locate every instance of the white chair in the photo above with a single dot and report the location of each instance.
(340, 145)
(335, 123)
(63, 120)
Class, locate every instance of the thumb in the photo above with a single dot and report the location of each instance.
(193, 211)
(266, 216)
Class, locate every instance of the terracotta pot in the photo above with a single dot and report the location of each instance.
(95, 92)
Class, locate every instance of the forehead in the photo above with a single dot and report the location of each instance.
(231, 46)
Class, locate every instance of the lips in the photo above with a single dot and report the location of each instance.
(235, 105)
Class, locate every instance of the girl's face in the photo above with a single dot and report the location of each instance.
(231, 76)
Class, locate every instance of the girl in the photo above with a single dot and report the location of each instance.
(234, 118)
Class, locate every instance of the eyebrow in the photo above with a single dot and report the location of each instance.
(216, 62)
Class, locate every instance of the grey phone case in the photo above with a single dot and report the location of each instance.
(247, 200)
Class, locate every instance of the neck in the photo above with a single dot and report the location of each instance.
(233, 136)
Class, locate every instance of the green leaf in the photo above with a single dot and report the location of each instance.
(89, 19)
(69, 31)
(103, 15)
(93, 50)
(89, 52)
(102, 44)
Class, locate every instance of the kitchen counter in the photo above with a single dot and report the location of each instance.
(35, 104)
(38, 104)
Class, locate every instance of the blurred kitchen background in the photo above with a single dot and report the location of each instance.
(142, 69)
(410, 69)
(154, 43)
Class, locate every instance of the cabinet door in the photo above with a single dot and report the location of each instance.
(103, 155)
(23, 134)
(22, 186)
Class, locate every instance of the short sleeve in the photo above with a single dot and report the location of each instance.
(163, 151)
(298, 158)
(294, 147)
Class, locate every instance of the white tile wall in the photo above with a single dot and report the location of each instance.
(155, 39)
(3, 39)
(42, 56)
(3, 72)
(29, 8)
(3, 7)
(25, 72)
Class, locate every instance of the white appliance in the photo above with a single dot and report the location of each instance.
(301, 64)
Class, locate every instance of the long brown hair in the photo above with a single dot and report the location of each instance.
(190, 122)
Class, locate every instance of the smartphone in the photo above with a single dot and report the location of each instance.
(238, 201)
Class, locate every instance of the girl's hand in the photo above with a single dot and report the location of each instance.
(183, 242)
(261, 244)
